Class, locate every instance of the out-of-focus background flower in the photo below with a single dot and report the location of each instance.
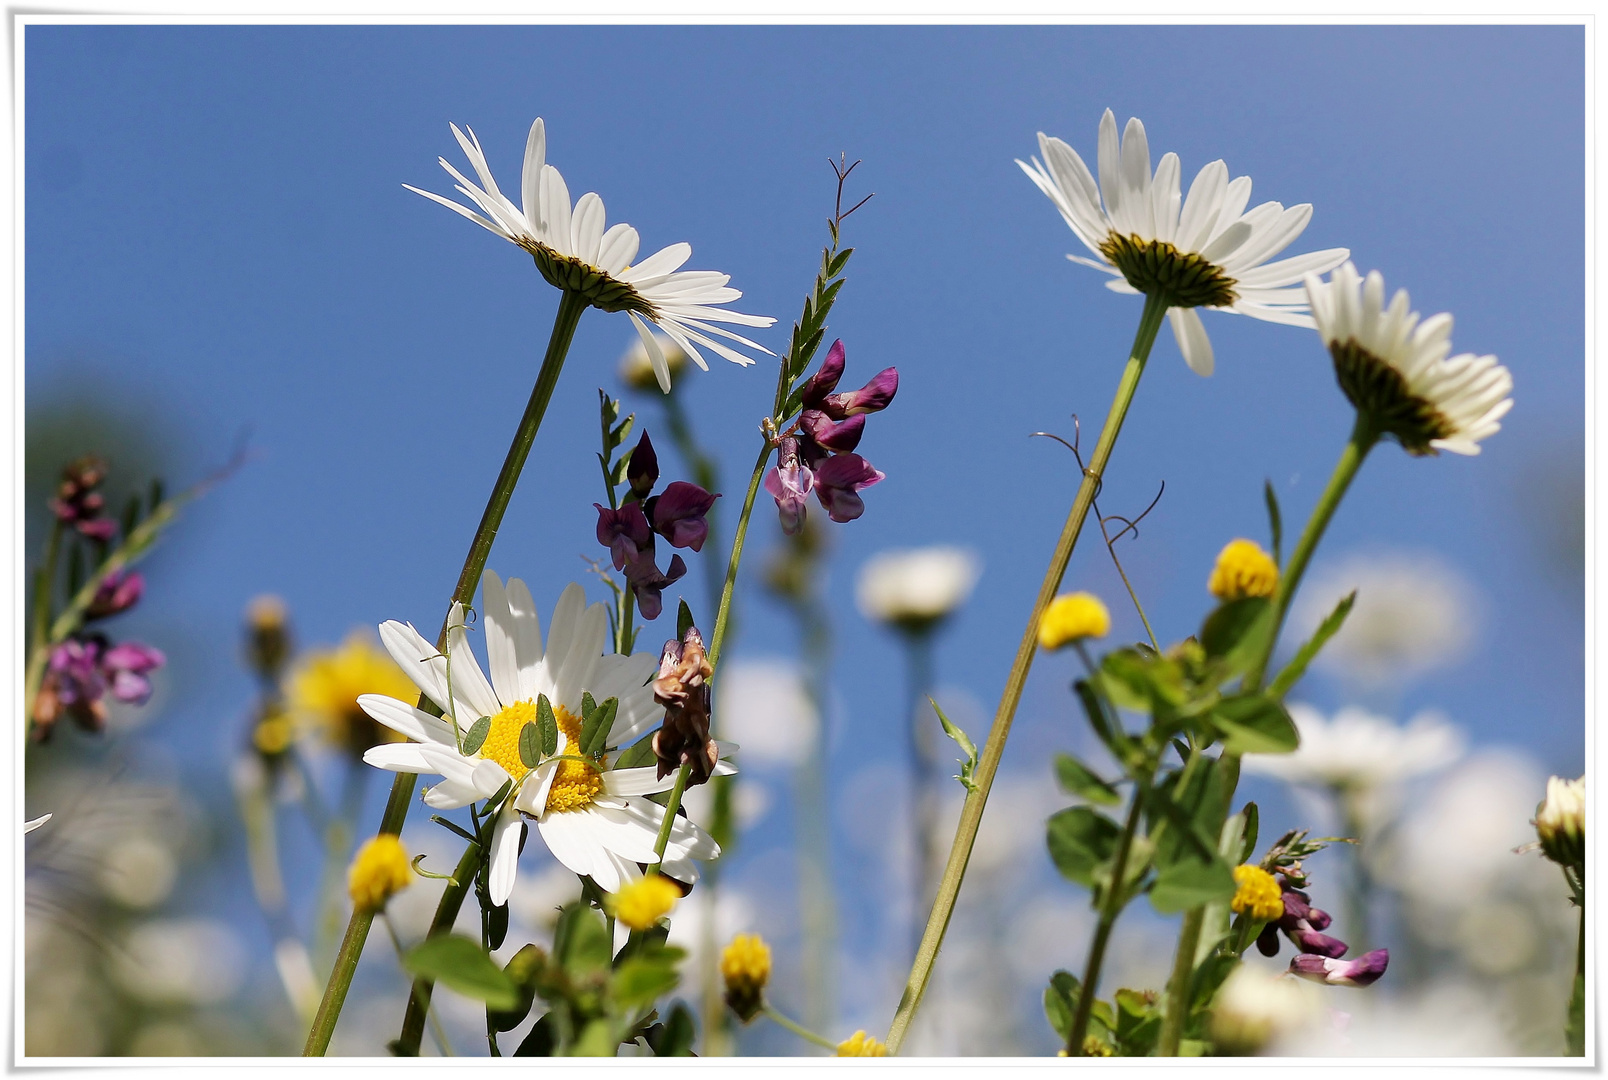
(218, 242)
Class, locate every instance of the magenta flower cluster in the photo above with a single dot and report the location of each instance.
(1320, 954)
(678, 514)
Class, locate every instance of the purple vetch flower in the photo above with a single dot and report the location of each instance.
(679, 514)
(790, 482)
(817, 454)
(646, 582)
(1365, 970)
(625, 532)
(837, 481)
(1301, 923)
(126, 667)
(78, 504)
(75, 667)
(120, 591)
(642, 470)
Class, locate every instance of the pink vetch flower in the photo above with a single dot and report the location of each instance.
(120, 591)
(625, 532)
(646, 582)
(678, 514)
(79, 504)
(83, 670)
(1365, 970)
(790, 482)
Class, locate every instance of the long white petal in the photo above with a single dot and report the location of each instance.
(501, 649)
(504, 855)
(1192, 339)
(399, 716)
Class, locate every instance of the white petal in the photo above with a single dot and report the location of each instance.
(661, 366)
(662, 261)
(1192, 339)
(531, 176)
(643, 781)
(527, 638)
(469, 683)
(586, 228)
(618, 248)
(399, 716)
(556, 205)
(586, 649)
(418, 659)
(504, 855)
(501, 650)
(450, 795)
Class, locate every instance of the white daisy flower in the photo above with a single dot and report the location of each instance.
(592, 816)
(1394, 368)
(1206, 250)
(915, 589)
(576, 253)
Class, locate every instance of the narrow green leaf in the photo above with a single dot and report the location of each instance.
(1060, 999)
(1252, 818)
(542, 1040)
(497, 923)
(595, 731)
(968, 767)
(1190, 883)
(1209, 976)
(835, 267)
(587, 705)
(1076, 779)
(158, 493)
(1327, 629)
(1255, 724)
(131, 514)
(461, 964)
(476, 736)
(1274, 521)
(547, 724)
(530, 745)
(1080, 841)
(674, 1037)
(683, 621)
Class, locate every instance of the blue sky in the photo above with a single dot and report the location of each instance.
(217, 240)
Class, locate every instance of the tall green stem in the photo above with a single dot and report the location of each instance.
(445, 916)
(570, 307)
(919, 724)
(1109, 910)
(1363, 437)
(971, 814)
(723, 616)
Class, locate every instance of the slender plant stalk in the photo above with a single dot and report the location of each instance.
(1363, 438)
(1109, 910)
(816, 905)
(570, 308)
(971, 814)
(799, 1029)
(919, 722)
(446, 915)
(45, 587)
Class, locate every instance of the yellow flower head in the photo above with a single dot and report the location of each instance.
(745, 964)
(1243, 569)
(641, 904)
(326, 684)
(273, 734)
(1258, 894)
(861, 1045)
(1071, 618)
(379, 871)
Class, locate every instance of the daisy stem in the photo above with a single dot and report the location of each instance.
(1110, 908)
(971, 814)
(723, 616)
(798, 1029)
(570, 307)
(1363, 437)
(407, 1043)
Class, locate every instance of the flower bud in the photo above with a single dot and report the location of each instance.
(1560, 821)
(636, 367)
(1243, 570)
(267, 635)
(745, 964)
(641, 904)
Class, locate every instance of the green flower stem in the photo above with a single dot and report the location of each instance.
(1109, 910)
(407, 1044)
(1363, 437)
(45, 586)
(1172, 1024)
(971, 814)
(723, 616)
(436, 1031)
(1575, 1026)
(570, 307)
(799, 1029)
(662, 841)
(919, 723)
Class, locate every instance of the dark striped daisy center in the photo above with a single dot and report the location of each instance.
(1378, 390)
(1155, 266)
(597, 288)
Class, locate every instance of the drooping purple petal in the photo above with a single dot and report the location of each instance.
(826, 377)
(1365, 970)
(624, 532)
(642, 471)
(678, 514)
(647, 582)
(132, 656)
(837, 481)
(874, 396)
(1310, 941)
(841, 436)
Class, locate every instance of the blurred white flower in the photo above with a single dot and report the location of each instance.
(1255, 1006)
(913, 590)
(178, 961)
(1413, 614)
(762, 706)
(636, 366)
(1358, 750)
(138, 872)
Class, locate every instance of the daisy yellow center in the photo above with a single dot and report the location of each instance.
(576, 783)
(502, 741)
(1155, 266)
(1379, 390)
(577, 276)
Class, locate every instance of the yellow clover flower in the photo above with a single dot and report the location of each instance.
(379, 871)
(1258, 894)
(745, 964)
(641, 904)
(1243, 569)
(1072, 618)
(861, 1045)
